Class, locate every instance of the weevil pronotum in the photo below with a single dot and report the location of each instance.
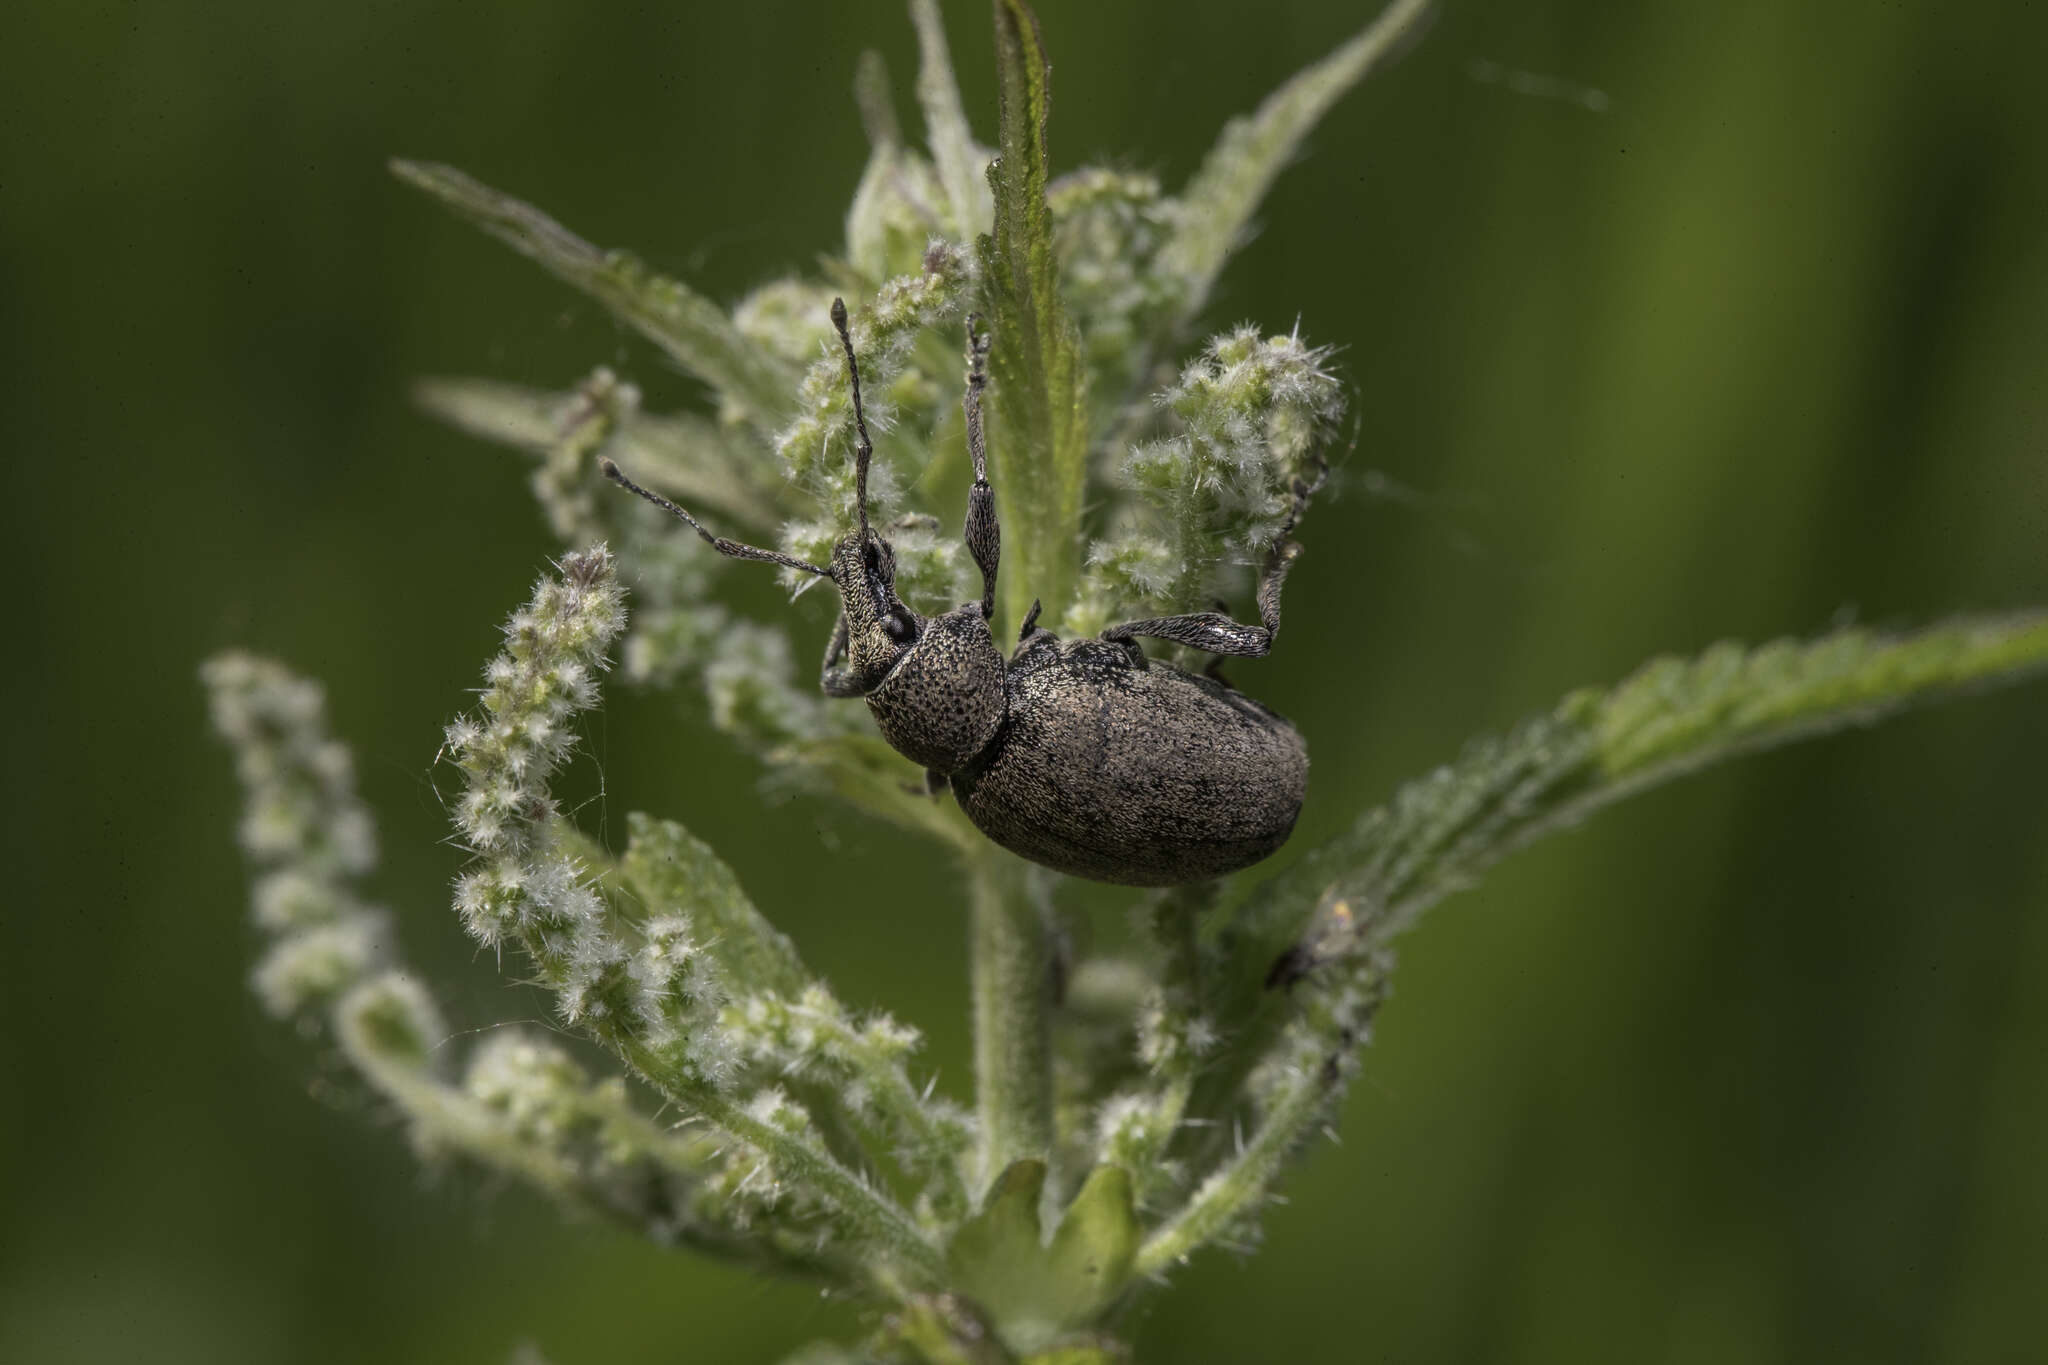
(1082, 755)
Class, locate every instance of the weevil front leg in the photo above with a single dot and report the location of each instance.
(1216, 632)
(837, 679)
(984, 534)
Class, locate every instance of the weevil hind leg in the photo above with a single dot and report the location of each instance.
(1214, 631)
(1215, 668)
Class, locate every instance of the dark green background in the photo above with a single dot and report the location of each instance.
(1754, 1069)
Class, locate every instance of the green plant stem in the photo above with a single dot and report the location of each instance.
(874, 1216)
(1240, 1184)
(447, 1118)
(930, 1151)
(1013, 980)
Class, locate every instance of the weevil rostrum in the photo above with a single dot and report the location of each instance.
(1082, 755)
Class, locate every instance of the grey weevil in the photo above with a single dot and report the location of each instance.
(1082, 755)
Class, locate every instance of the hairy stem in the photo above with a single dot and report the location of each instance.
(879, 1220)
(1013, 988)
(1240, 1185)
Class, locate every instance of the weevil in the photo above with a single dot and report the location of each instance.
(1082, 755)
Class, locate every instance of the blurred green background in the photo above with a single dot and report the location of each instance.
(1753, 1069)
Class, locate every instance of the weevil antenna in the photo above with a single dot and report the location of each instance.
(866, 450)
(731, 549)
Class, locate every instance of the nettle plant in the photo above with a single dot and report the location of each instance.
(1129, 1111)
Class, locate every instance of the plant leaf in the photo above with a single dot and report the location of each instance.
(687, 457)
(674, 871)
(1441, 832)
(1036, 1290)
(1040, 459)
(1217, 206)
(1673, 716)
(696, 332)
(1092, 1250)
(960, 161)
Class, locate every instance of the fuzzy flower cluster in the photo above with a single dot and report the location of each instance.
(307, 836)
(657, 955)
(1251, 417)
(660, 957)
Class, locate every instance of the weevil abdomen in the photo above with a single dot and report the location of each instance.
(1139, 774)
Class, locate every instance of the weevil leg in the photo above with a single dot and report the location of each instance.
(984, 534)
(934, 784)
(1215, 668)
(836, 679)
(1036, 646)
(1215, 631)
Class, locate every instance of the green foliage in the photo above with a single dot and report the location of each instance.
(1039, 1289)
(694, 331)
(1039, 459)
(1129, 1110)
(1216, 209)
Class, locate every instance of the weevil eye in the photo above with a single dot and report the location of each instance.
(898, 626)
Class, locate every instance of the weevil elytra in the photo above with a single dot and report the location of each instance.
(1082, 755)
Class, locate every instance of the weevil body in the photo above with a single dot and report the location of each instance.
(1082, 755)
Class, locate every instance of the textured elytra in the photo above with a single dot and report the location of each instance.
(1122, 770)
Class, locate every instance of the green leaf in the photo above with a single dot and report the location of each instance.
(862, 770)
(692, 460)
(1039, 459)
(959, 159)
(1217, 206)
(1037, 1291)
(694, 331)
(674, 872)
(1672, 717)
(1441, 832)
(1092, 1249)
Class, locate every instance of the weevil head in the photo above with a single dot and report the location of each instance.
(880, 629)
(934, 684)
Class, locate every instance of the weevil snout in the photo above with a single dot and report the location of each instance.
(880, 629)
